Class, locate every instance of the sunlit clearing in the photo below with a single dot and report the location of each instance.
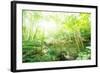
(48, 27)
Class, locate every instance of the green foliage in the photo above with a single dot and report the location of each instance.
(55, 36)
(84, 55)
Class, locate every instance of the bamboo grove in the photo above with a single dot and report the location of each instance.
(55, 36)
